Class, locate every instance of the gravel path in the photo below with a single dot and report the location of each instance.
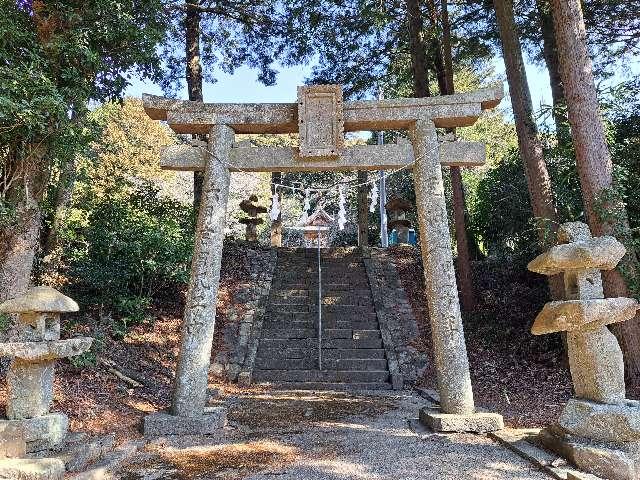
(303, 435)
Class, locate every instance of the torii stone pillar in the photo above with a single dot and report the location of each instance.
(192, 373)
(450, 351)
(457, 409)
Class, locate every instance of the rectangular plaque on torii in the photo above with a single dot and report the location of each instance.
(320, 121)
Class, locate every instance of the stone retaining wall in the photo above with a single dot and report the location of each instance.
(244, 317)
(397, 323)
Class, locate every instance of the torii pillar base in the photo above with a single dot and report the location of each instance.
(162, 424)
(478, 422)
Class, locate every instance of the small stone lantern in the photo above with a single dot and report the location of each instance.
(397, 209)
(34, 348)
(599, 429)
(252, 220)
(316, 225)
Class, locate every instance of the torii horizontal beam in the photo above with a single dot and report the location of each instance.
(187, 157)
(446, 111)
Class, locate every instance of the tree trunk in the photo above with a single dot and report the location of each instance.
(550, 54)
(18, 253)
(19, 241)
(535, 167)
(363, 210)
(61, 201)
(193, 74)
(606, 213)
(444, 72)
(467, 290)
(417, 49)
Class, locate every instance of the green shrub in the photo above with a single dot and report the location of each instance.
(500, 207)
(126, 246)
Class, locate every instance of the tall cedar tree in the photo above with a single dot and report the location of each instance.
(210, 35)
(606, 213)
(193, 75)
(443, 61)
(535, 167)
(55, 57)
(614, 34)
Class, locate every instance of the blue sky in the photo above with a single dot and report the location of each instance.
(243, 85)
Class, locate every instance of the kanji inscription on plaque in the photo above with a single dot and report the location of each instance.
(320, 121)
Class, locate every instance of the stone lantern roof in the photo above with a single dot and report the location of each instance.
(249, 206)
(397, 203)
(601, 253)
(40, 299)
(571, 315)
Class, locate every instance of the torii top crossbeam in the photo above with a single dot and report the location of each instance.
(447, 111)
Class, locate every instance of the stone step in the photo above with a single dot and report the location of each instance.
(338, 312)
(327, 300)
(307, 343)
(333, 376)
(312, 283)
(326, 324)
(290, 292)
(328, 333)
(310, 363)
(328, 386)
(355, 343)
(313, 293)
(328, 318)
(328, 353)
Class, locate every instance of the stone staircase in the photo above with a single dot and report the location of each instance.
(353, 355)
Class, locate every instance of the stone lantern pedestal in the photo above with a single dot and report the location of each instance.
(35, 346)
(599, 429)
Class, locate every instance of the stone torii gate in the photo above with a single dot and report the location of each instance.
(321, 117)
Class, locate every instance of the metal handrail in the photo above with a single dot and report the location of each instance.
(319, 305)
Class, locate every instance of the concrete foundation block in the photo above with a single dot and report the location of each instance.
(613, 461)
(31, 469)
(12, 443)
(397, 381)
(244, 379)
(606, 423)
(81, 450)
(581, 476)
(46, 432)
(160, 424)
(479, 422)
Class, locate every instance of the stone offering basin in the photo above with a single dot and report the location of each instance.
(43, 351)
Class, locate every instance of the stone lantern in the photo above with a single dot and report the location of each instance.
(397, 209)
(251, 221)
(316, 225)
(34, 348)
(599, 429)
